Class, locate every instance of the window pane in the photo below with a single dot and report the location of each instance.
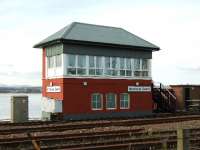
(58, 61)
(98, 105)
(122, 63)
(137, 73)
(71, 71)
(107, 62)
(114, 72)
(81, 71)
(71, 60)
(99, 71)
(114, 62)
(81, 61)
(145, 73)
(111, 102)
(137, 64)
(122, 72)
(93, 104)
(121, 104)
(108, 72)
(51, 61)
(124, 100)
(128, 73)
(96, 101)
(91, 62)
(98, 62)
(128, 63)
(144, 64)
(91, 71)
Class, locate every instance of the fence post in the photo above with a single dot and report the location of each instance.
(183, 141)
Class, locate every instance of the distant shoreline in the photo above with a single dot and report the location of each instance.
(21, 90)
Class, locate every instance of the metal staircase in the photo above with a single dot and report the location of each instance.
(164, 98)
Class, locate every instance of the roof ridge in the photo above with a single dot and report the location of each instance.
(98, 25)
(68, 30)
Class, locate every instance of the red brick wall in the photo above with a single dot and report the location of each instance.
(77, 97)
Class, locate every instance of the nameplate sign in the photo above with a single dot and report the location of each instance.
(139, 89)
(53, 89)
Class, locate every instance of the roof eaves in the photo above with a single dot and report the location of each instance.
(41, 45)
(108, 44)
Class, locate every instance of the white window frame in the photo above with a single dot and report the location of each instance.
(55, 59)
(145, 70)
(124, 101)
(126, 68)
(101, 95)
(70, 67)
(102, 66)
(77, 67)
(132, 69)
(112, 69)
(109, 108)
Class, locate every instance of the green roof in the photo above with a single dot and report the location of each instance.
(82, 32)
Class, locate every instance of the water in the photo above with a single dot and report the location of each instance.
(34, 105)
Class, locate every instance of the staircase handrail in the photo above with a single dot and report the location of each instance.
(162, 86)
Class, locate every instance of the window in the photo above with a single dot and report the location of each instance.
(145, 67)
(122, 67)
(81, 68)
(114, 66)
(99, 65)
(54, 61)
(71, 68)
(144, 64)
(111, 66)
(107, 66)
(92, 65)
(137, 64)
(96, 101)
(128, 67)
(137, 70)
(111, 101)
(58, 60)
(83, 65)
(124, 101)
(95, 65)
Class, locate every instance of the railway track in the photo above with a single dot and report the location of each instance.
(63, 126)
(101, 140)
(55, 135)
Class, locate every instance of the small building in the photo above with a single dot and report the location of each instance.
(92, 71)
(188, 97)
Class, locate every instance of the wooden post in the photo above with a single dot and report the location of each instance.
(183, 141)
(164, 144)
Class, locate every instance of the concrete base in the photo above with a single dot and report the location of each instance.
(100, 115)
(106, 115)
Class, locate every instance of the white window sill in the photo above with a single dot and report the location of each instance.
(111, 108)
(97, 109)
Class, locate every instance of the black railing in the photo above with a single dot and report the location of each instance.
(164, 98)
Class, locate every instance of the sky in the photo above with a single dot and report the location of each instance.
(173, 25)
